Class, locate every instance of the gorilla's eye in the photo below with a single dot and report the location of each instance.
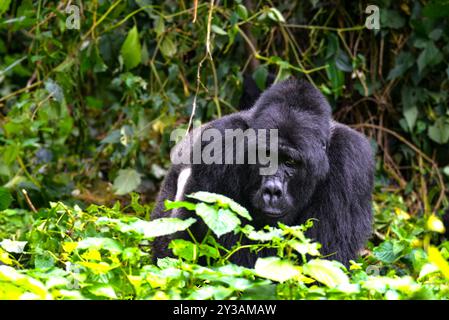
(291, 162)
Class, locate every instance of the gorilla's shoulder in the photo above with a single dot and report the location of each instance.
(344, 135)
(351, 150)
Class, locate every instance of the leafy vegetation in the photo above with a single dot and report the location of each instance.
(103, 253)
(86, 115)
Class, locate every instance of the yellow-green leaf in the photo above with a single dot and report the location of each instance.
(435, 224)
(437, 259)
(326, 272)
(131, 49)
(274, 268)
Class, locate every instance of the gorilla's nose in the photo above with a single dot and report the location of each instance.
(272, 192)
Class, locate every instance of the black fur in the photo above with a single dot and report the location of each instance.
(330, 180)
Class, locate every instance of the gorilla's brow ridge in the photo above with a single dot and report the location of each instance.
(290, 151)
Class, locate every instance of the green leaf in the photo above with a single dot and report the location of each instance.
(126, 181)
(439, 131)
(207, 292)
(13, 246)
(14, 286)
(168, 47)
(169, 205)
(262, 235)
(446, 170)
(44, 260)
(99, 243)
(149, 229)
(275, 269)
(410, 98)
(4, 6)
(430, 56)
(260, 77)
(131, 49)
(438, 260)
(436, 9)
(326, 272)
(403, 62)
(184, 249)
(332, 46)
(10, 152)
(103, 290)
(391, 19)
(342, 61)
(434, 223)
(275, 15)
(305, 247)
(242, 12)
(410, 114)
(336, 77)
(5, 198)
(218, 30)
(65, 65)
(159, 26)
(389, 251)
(220, 221)
(221, 201)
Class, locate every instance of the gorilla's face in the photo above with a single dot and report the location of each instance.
(302, 164)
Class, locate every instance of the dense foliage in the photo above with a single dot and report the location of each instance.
(86, 114)
(101, 253)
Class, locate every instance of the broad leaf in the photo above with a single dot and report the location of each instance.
(126, 181)
(389, 251)
(4, 6)
(274, 268)
(169, 205)
(326, 272)
(218, 30)
(430, 56)
(275, 15)
(220, 221)
(262, 235)
(150, 229)
(13, 246)
(108, 244)
(184, 249)
(439, 131)
(222, 201)
(131, 49)
(437, 259)
(168, 47)
(5, 198)
(103, 290)
(260, 77)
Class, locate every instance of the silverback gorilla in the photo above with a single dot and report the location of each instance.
(325, 172)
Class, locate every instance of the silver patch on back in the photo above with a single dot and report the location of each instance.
(183, 177)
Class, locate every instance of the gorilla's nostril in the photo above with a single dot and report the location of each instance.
(271, 192)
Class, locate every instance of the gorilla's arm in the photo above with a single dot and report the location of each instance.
(184, 179)
(168, 192)
(342, 202)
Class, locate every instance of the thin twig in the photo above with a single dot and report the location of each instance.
(195, 10)
(208, 55)
(19, 91)
(419, 152)
(28, 201)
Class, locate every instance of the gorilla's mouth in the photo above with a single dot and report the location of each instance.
(274, 213)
